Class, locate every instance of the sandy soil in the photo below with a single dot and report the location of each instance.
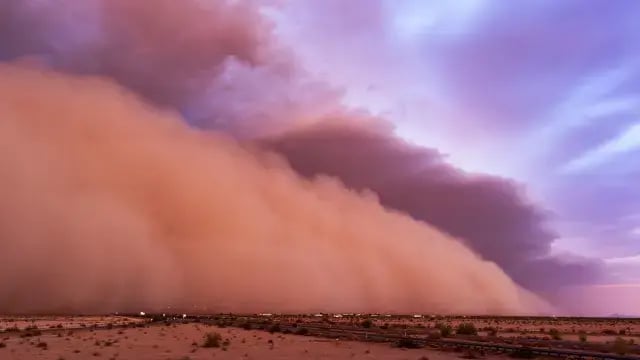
(597, 328)
(184, 342)
(50, 322)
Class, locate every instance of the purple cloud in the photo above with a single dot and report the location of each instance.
(490, 214)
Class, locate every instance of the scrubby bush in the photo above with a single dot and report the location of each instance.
(555, 334)
(274, 328)
(620, 346)
(211, 340)
(523, 353)
(367, 323)
(445, 329)
(466, 329)
(491, 331)
(582, 336)
(302, 331)
(408, 343)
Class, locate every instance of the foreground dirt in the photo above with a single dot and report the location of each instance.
(53, 322)
(184, 341)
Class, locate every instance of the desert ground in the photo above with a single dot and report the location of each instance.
(186, 341)
(282, 337)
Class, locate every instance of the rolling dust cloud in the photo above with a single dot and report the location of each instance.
(110, 204)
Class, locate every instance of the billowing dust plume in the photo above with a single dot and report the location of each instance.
(111, 205)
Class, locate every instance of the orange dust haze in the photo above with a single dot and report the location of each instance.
(109, 204)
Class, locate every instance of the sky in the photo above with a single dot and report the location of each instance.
(512, 127)
(542, 92)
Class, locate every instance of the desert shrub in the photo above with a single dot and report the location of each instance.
(211, 340)
(367, 323)
(31, 332)
(434, 335)
(408, 343)
(620, 346)
(582, 336)
(246, 326)
(445, 330)
(555, 334)
(622, 332)
(221, 324)
(274, 328)
(302, 331)
(2, 345)
(609, 332)
(469, 355)
(43, 345)
(491, 331)
(384, 326)
(522, 353)
(466, 329)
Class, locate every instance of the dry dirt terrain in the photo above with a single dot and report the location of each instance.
(185, 341)
(299, 336)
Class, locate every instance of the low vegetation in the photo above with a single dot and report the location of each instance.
(555, 334)
(274, 328)
(523, 353)
(445, 329)
(491, 331)
(582, 336)
(367, 323)
(620, 346)
(466, 329)
(408, 343)
(212, 340)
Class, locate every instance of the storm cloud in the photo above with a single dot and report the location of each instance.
(221, 66)
(111, 205)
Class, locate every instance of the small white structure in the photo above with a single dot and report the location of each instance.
(142, 313)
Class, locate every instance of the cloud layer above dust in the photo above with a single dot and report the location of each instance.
(110, 204)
